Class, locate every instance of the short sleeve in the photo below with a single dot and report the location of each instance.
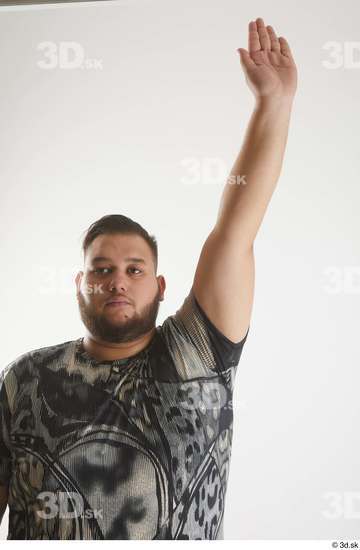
(5, 416)
(197, 346)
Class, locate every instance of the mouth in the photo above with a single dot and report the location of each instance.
(117, 303)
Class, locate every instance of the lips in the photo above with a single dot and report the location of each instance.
(117, 301)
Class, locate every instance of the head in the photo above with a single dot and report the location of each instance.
(120, 261)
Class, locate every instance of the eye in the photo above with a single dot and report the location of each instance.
(100, 270)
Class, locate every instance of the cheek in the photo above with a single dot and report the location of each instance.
(148, 293)
(91, 290)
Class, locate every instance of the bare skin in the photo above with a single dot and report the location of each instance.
(225, 276)
(132, 326)
(109, 352)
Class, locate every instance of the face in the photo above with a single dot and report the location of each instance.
(119, 267)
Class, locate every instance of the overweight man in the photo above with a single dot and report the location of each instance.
(126, 432)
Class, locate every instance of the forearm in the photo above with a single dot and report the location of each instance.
(256, 170)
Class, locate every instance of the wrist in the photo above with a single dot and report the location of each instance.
(274, 102)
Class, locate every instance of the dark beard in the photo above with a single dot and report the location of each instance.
(99, 326)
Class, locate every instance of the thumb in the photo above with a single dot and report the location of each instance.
(245, 58)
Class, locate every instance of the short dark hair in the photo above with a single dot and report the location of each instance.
(117, 223)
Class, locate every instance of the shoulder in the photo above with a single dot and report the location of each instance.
(26, 363)
(196, 343)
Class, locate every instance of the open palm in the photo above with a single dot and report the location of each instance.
(269, 66)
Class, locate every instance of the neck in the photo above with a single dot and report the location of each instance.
(109, 351)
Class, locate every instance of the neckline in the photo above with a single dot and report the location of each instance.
(83, 355)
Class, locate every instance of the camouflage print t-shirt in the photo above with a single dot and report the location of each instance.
(135, 448)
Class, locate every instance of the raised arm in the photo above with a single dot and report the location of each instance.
(224, 278)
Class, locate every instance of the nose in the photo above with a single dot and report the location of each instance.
(118, 283)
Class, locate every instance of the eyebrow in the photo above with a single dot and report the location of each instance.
(105, 259)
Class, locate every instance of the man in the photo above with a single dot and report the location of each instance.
(126, 433)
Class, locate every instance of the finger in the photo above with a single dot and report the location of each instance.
(285, 48)
(245, 59)
(263, 34)
(254, 42)
(275, 44)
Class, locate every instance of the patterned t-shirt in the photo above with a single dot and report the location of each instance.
(135, 448)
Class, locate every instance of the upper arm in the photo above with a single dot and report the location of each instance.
(197, 347)
(5, 445)
(4, 492)
(224, 283)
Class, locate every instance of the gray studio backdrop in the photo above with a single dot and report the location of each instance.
(140, 108)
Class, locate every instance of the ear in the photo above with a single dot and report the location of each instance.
(162, 286)
(78, 280)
